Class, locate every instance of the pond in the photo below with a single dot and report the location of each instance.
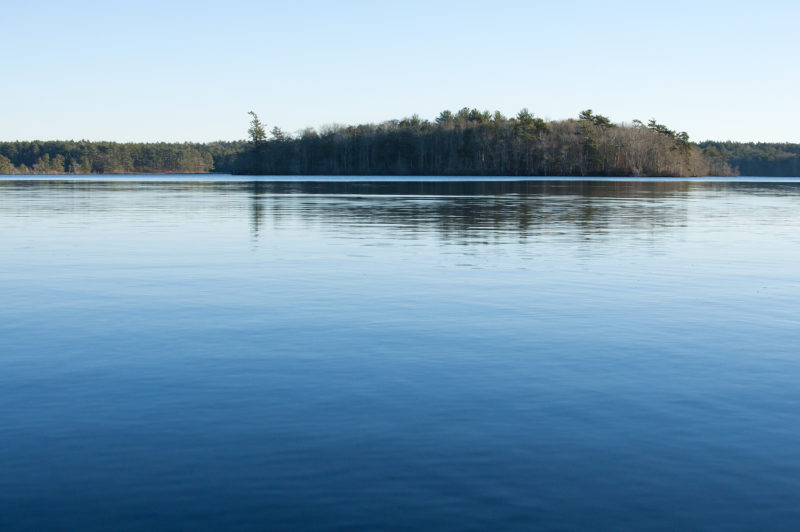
(202, 352)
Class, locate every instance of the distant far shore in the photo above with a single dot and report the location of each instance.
(467, 143)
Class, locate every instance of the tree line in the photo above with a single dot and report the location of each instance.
(85, 157)
(765, 159)
(474, 142)
(466, 142)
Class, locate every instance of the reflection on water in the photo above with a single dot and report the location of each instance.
(376, 354)
(451, 208)
(473, 209)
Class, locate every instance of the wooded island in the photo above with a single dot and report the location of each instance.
(465, 143)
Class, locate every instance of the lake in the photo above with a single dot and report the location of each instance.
(199, 352)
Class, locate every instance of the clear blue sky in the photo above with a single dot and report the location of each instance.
(190, 70)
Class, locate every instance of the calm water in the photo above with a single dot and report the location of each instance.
(474, 356)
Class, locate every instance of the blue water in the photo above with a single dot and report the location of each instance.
(329, 354)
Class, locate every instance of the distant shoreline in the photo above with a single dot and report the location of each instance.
(468, 143)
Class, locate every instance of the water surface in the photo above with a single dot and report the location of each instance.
(480, 354)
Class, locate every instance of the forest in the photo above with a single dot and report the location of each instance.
(85, 157)
(474, 142)
(757, 158)
(468, 142)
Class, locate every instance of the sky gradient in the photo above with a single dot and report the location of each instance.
(190, 71)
